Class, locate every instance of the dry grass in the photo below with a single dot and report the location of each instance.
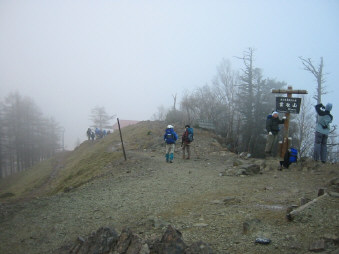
(80, 166)
(86, 162)
(21, 184)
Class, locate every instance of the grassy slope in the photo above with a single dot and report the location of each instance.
(87, 161)
(20, 184)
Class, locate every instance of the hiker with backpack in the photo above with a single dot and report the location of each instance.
(170, 138)
(92, 136)
(272, 127)
(321, 131)
(186, 140)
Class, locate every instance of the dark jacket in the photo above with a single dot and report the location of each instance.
(272, 124)
(184, 138)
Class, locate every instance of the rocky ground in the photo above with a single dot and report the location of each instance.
(219, 198)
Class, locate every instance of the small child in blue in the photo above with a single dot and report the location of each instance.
(170, 138)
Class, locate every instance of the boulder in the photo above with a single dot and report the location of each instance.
(171, 242)
(129, 242)
(102, 241)
(107, 241)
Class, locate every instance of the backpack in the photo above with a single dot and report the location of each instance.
(169, 136)
(293, 155)
(190, 137)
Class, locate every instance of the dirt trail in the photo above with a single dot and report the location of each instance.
(146, 194)
(58, 164)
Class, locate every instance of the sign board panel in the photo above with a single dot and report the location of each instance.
(206, 124)
(288, 105)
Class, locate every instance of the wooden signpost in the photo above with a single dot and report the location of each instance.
(287, 105)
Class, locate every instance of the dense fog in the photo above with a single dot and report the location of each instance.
(131, 58)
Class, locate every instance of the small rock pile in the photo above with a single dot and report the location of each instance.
(107, 241)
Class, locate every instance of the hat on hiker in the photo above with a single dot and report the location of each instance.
(169, 126)
(328, 107)
(275, 112)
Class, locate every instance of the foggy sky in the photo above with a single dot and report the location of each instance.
(131, 56)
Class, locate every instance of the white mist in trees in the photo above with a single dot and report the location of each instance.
(225, 85)
(254, 101)
(100, 118)
(161, 114)
(249, 103)
(26, 136)
(304, 134)
(246, 101)
(230, 101)
(188, 107)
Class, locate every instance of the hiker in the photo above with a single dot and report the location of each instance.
(92, 136)
(98, 133)
(89, 131)
(170, 138)
(321, 131)
(186, 140)
(272, 127)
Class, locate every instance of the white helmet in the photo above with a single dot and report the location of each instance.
(169, 126)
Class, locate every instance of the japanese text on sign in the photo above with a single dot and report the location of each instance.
(288, 105)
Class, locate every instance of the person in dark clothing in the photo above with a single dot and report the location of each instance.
(321, 131)
(89, 132)
(272, 127)
(186, 140)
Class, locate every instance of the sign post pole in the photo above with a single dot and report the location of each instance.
(286, 126)
(289, 93)
(122, 142)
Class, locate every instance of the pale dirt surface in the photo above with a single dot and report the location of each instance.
(146, 193)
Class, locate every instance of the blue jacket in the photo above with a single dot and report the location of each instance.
(324, 120)
(170, 136)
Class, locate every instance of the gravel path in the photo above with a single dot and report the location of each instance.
(146, 194)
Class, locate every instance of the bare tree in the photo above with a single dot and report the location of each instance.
(100, 118)
(246, 100)
(174, 101)
(317, 72)
(225, 86)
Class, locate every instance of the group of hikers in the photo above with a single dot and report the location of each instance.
(96, 134)
(170, 138)
(324, 119)
(322, 130)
